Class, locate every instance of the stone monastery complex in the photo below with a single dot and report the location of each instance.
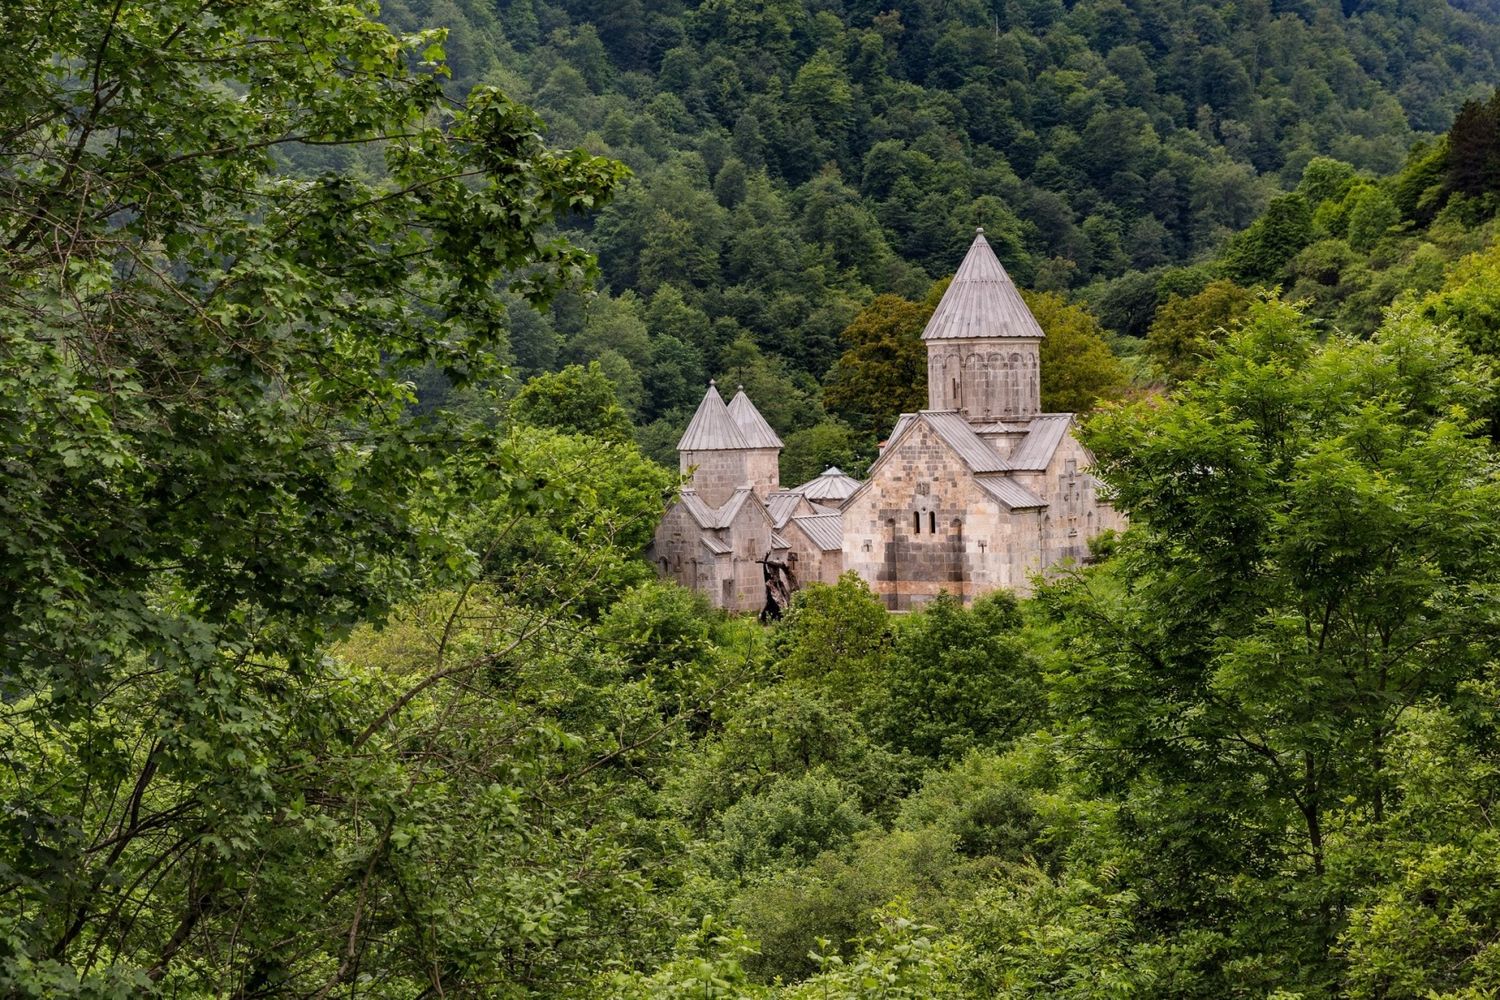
(977, 492)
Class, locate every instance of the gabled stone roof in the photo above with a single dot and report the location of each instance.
(702, 514)
(978, 454)
(982, 303)
(1033, 453)
(731, 508)
(707, 517)
(981, 459)
(712, 428)
(753, 426)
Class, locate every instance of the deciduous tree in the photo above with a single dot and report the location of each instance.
(1314, 536)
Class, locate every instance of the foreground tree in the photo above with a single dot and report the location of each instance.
(206, 473)
(1315, 535)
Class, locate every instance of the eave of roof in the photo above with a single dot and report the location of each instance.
(1009, 493)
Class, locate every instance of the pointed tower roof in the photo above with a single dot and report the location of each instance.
(758, 433)
(712, 428)
(982, 303)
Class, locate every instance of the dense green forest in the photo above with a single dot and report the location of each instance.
(793, 159)
(331, 666)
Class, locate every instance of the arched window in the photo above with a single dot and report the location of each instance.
(916, 522)
(932, 522)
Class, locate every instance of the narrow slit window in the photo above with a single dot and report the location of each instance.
(932, 522)
(916, 523)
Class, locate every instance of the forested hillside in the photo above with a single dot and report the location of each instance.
(794, 159)
(331, 664)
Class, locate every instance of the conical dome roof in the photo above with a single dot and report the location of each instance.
(758, 433)
(982, 303)
(712, 428)
(833, 485)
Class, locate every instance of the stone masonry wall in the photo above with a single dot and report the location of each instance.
(716, 474)
(985, 380)
(922, 525)
(750, 536)
(813, 565)
(909, 534)
(678, 553)
(1075, 512)
(763, 470)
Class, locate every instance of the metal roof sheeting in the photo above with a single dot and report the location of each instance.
(1034, 452)
(826, 531)
(1009, 493)
(701, 513)
(706, 516)
(831, 484)
(731, 508)
(977, 453)
(712, 428)
(901, 423)
(982, 303)
(782, 506)
(753, 426)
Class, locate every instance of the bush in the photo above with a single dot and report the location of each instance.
(792, 822)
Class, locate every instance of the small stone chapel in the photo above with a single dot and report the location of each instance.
(979, 491)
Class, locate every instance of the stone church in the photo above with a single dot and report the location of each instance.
(979, 491)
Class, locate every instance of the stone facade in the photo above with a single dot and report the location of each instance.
(814, 534)
(927, 527)
(925, 522)
(983, 382)
(979, 492)
(717, 474)
(717, 552)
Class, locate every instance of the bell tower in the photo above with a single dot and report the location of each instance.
(983, 344)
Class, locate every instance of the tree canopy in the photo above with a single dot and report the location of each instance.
(334, 669)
